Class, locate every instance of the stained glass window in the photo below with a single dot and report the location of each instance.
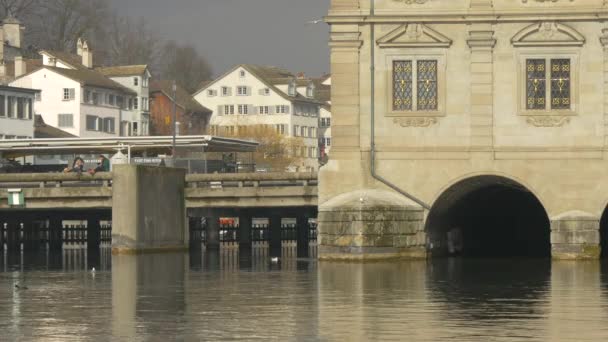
(427, 85)
(560, 84)
(535, 83)
(402, 85)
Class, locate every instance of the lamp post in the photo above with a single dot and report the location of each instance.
(174, 88)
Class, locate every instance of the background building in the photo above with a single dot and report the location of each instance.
(76, 98)
(192, 117)
(252, 95)
(136, 78)
(16, 112)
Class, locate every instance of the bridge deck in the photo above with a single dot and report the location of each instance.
(84, 191)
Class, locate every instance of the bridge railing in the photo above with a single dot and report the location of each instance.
(242, 180)
(45, 180)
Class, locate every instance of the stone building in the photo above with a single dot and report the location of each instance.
(484, 119)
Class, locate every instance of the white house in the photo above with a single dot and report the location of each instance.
(16, 112)
(76, 98)
(261, 95)
(136, 78)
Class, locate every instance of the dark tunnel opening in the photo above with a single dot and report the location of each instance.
(604, 234)
(489, 216)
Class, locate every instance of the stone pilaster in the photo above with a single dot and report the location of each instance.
(481, 42)
(345, 44)
(575, 235)
(604, 42)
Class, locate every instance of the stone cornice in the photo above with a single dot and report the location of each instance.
(471, 17)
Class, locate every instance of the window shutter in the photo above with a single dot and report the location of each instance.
(229, 91)
(261, 91)
(287, 109)
(72, 93)
(251, 109)
(249, 93)
(255, 110)
(220, 110)
(271, 110)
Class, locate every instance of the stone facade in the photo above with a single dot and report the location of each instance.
(486, 118)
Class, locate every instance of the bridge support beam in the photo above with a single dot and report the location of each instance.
(370, 225)
(148, 209)
(302, 231)
(213, 233)
(575, 235)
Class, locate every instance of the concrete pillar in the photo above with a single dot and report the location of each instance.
(148, 209)
(275, 235)
(302, 236)
(13, 241)
(55, 233)
(93, 232)
(213, 233)
(575, 235)
(245, 229)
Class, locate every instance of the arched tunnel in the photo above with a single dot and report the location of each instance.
(488, 216)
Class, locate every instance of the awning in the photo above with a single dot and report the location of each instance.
(152, 145)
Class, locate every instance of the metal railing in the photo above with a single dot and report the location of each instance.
(45, 180)
(241, 180)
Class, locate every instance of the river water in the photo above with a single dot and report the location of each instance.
(227, 297)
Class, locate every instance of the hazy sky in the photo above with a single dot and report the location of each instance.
(229, 32)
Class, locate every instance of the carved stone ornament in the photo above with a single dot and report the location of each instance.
(409, 2)
(415, 122)
(414, 35)
(525, 1)
(548, 121)
(548, 33)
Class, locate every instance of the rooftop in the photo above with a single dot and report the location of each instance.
(184, 99)
(123, 70)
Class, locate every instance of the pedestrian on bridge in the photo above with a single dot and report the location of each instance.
(103, 165)
(77, 166)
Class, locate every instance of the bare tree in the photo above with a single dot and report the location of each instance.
(131, 42)
(18, 8)
(59, 23)
(183, 64)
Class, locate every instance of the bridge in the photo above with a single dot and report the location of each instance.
(47, 199)
(466, 127)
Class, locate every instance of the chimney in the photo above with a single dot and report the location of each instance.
(20, 67)
(79, 47)
(13, 31)
(87, 55)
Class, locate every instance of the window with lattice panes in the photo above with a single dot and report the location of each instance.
(415, 85)
(548, 84)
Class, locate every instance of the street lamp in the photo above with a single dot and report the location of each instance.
(174, 88)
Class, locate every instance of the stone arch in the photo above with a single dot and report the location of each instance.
(488, 215)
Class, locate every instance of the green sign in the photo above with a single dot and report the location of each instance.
(15, 198)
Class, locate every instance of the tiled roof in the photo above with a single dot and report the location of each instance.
(184, 99)
(91, 78)
(30, 65)
(123, 70)
(271, 76)
(70, 58)
(42, 130)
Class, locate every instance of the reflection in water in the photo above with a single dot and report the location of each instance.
(234, 294)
